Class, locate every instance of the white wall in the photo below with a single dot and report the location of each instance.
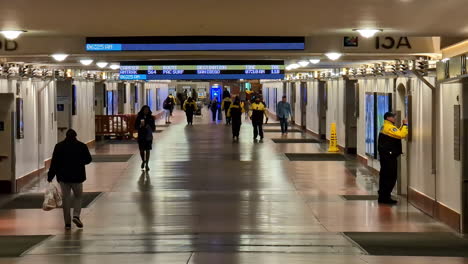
(159, 92)
(297, 106)
(448, 170)
(312, 107)
(83, 122)
(40, 126)
(128, 95)
(335, 111)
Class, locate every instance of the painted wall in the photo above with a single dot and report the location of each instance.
(83, 122)
(40, 129)
(312, 107)
(448, 169)
(335, 111)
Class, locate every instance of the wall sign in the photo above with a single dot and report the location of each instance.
(8, 45)
(392, 43)
(350, 42)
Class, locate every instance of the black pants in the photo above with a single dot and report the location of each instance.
(236, 125)
(228, 119)
(214, 114)
(189, 115)
(284, 125)
(388, 175)
(258, 129)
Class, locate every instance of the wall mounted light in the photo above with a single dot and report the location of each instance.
(114, 66)
(102, 64)
(59, 56)
(303, 63)
(333, 55)
(314, 61)
(368, 33)
(12, 34)
(86, 62)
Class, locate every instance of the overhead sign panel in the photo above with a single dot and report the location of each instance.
(193, 43)
(202, 70)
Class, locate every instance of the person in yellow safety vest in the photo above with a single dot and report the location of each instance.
(190, 107)
(235, 114)
(257, 111)
(389, 147)
(225, 106)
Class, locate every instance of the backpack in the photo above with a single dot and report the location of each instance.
(167, 105)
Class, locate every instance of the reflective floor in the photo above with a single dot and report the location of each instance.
(209, 200)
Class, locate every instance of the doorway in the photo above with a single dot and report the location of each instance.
(303, 104)
(322, 109)
(7, 137)
(351, 99)
(292, 99)
(64, 108)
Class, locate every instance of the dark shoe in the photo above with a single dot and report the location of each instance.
(77, 222)
(387, 201)
(147, 167)
(68, 227)
(143, 165)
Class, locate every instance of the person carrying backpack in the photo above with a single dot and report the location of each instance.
(235, 114)
(214, 105)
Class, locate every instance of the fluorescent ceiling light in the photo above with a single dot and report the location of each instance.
(102, 64)
(368, 33)
(12, 34)
(86, 62)
(314, 61)
(303, 63)
(114, 66)
(333, 55)
(294, 66)
(59, 57)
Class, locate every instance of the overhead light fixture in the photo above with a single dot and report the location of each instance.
(102, 64)
(12, 34)
(333, 55)
(86, 62)
(303, 63)
(114, 66)
(59, 56)
(368, 33)
(314, 61)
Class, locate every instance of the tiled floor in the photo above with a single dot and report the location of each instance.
(209, 200)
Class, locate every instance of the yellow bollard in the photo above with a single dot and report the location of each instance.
(333, 139)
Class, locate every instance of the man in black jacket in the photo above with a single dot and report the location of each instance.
(389, 146)
(68, 164)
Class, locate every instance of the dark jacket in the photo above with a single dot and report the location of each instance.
(68, 161)
(390, 136)
(145, 133)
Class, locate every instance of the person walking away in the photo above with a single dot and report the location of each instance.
(225, 105)
(235, 114)
(283, 111)
(190, 107)
(68, 163)
(145, 125)
(226, 93)
(257, 111)
(168, 106)
(389, 147)
(173, 103)
(214, 105)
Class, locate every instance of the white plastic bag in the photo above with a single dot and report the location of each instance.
(52, 198)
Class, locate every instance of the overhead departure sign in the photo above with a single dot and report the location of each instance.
(202, 70)
(193, 43)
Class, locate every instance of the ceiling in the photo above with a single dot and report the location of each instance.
(239, 17)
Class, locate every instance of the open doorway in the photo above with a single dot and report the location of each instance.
(401, 110)
(322, 109)
(303, 104)
(64, 108)
(351, 102)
